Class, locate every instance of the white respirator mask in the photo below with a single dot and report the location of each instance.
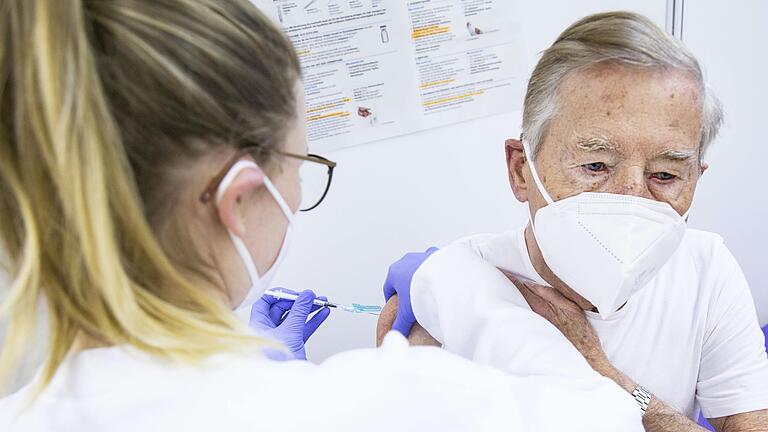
(605, 246)
(259, 284)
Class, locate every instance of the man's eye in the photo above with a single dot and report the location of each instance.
(595, 166)
(663, 176)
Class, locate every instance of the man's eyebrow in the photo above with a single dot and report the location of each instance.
(678, 155)
(596, 144)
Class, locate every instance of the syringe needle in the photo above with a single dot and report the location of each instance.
(354, 307)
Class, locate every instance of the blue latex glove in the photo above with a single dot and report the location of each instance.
(286, 320)
(399, 282)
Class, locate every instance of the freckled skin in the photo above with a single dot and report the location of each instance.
(644, 113)
(645, 118)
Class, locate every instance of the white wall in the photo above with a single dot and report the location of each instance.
(729, 39)
(411, 192)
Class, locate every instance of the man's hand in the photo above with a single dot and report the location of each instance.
(568, 317)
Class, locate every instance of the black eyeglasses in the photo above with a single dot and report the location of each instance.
(315, 176)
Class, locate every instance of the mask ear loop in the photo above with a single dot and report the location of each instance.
(242, 250)
(279, 199)
(684, 217)
(535, 174)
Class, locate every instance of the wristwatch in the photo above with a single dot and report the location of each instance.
(643, 397)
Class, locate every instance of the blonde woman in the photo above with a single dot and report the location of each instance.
(149, 172)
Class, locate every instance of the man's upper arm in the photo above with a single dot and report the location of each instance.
(417, 336)
(754, 421)
(733, 372)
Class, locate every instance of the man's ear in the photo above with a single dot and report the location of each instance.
(704, 167)
(230, 208)
(515, 163)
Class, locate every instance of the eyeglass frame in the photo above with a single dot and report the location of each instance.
(210, 190)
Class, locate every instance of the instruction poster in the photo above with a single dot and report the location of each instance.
(375, 69)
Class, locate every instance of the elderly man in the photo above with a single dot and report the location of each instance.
(615, 123)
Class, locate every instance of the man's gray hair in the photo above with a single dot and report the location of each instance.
(622, 38)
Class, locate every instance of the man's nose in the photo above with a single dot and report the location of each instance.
(632, 182)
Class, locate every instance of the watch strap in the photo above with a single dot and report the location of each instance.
(643, 397)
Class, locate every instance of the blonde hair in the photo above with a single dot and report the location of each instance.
(99, 101)
(621, 38)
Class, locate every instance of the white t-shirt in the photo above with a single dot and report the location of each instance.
(395, 388)
(691, 335)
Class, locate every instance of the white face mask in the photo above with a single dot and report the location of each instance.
(605, 246)
(259, 284)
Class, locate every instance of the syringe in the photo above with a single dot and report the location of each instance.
(354, 307)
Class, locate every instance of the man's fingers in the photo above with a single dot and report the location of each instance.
(534, 301)
(553, 296)
(512, 278)
(546, 292)
(538, 304)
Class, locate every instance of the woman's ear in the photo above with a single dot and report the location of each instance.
(515, 162)
(230, 208)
